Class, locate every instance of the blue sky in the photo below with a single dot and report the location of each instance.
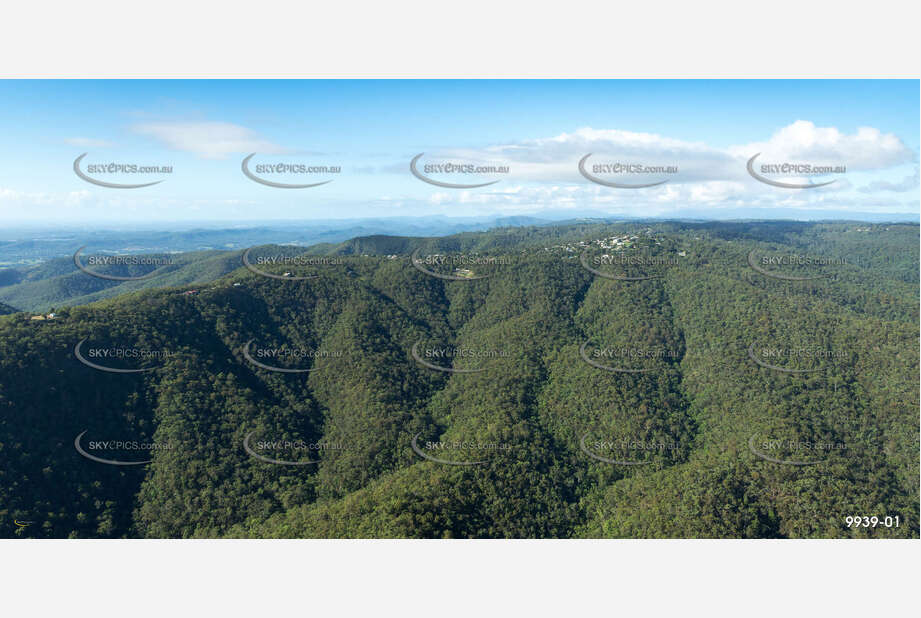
(539, 130)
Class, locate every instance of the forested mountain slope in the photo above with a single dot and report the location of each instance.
(59, 283)
(573, 381)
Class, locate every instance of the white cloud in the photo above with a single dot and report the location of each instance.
(866, 149)
(555, 159)
(209, 140)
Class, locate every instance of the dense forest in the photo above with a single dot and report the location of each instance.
(630, 380)
(59, 283)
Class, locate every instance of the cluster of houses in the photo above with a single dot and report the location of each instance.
(614, 242)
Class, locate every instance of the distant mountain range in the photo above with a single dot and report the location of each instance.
(23, 246)
(41, 275)
(27, 246)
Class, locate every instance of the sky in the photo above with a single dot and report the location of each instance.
(696, 136)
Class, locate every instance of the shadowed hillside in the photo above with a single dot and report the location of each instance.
(589, 380)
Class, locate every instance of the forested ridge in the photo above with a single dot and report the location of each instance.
(597, 380)
(58, 282)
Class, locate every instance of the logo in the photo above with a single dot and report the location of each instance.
(454, 168)
(786, 446)
(623, 168)
(277, 353)
(112, 168)
(276, 446)
(790, 353)
(618, 462)
(121, 260)
(285, 168)
(634, 260)
(285, 277)
(440, 446)
(451, 353)
(118, 353)
(598, 365)
(796, 260)
(113, 445)
(791, 168)
(460, 274)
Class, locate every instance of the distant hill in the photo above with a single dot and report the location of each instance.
(24, 247)
(58, 283)
(5, 309)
